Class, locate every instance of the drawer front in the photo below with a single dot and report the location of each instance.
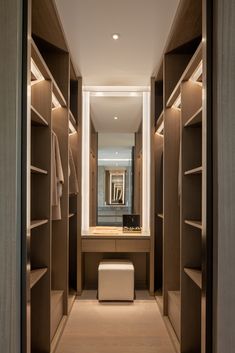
(96, 245)
(135, 245)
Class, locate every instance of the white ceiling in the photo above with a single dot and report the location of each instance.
(143, 26)
(127, 109)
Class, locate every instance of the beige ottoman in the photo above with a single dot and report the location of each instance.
(116, 280)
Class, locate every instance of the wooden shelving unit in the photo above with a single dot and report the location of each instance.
(180, 111)
(192, 217)
(56, 99)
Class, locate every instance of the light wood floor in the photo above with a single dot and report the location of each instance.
(115, 327)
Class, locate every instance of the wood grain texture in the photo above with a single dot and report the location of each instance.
(224, 176)
(10, 174)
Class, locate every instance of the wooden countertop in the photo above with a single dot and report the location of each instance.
(113, 233)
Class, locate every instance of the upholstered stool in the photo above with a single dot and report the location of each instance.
(116, 280)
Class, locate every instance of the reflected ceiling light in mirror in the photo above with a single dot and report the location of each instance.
(115, 36)
(115, 118)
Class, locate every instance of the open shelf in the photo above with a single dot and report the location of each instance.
(191, 67)
(197, 170)
(36, 170)
(195, 275)
(43, 68)
(36, 275)
(195, 120)
(196, 224)
(38, 223)
(37, 118)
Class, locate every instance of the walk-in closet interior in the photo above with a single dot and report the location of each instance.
(104, 189)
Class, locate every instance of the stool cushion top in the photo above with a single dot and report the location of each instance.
(116, 265)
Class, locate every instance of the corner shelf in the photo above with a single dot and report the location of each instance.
(195, 120)
(36, 275)
(195, 275)
(197, 170)
(38, 223)
(36, 118)
(196, 224)
(36, 170)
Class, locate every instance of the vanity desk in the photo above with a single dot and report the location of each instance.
(113, 239)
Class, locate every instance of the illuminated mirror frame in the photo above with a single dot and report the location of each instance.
(116, 91)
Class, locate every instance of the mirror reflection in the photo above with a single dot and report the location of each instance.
(116, 135)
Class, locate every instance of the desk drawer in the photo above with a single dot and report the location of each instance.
(132, 245)
(98, 245)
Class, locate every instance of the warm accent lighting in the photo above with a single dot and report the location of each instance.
(72, 129)
(116, 36)
(160, 129)
(197, 73)
(36, 72)
(177, 103)
(115, 118)
(55, 102)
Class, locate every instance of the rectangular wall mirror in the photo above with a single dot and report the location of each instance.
(116, 167)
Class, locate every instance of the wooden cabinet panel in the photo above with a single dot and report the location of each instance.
(98, 245)
(135, 245)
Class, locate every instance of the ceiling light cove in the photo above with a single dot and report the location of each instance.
(115, 36)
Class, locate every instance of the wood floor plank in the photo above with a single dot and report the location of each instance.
(115, 328)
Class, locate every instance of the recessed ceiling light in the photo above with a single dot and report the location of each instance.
(115, 118)
(116, 152)
(116, 36)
